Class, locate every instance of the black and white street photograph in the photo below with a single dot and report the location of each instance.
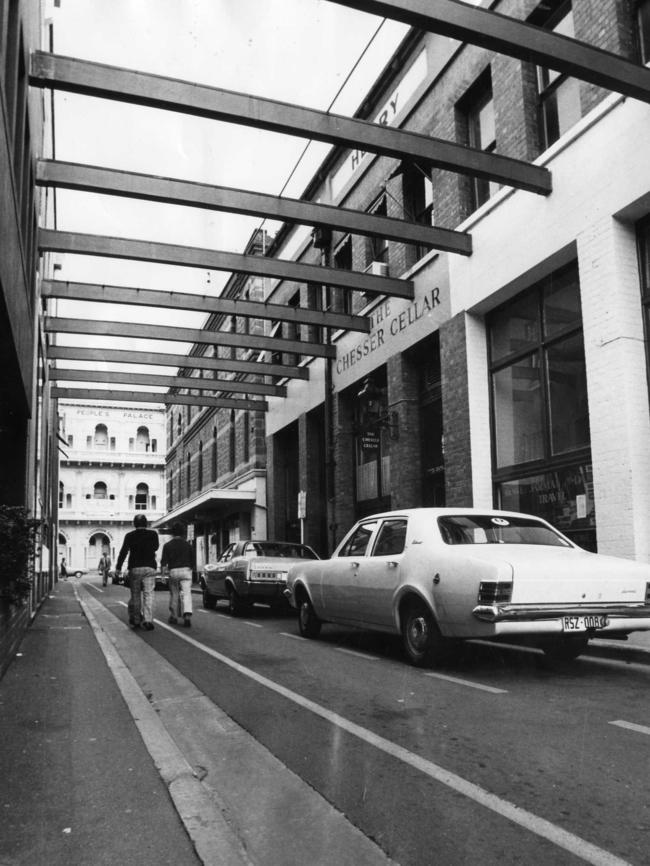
(324, 432)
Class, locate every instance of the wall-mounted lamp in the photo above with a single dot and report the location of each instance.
(370, 410)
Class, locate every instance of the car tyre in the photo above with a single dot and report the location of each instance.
(565, 649)
(78, 574)
(423, 642)
(308, 623)
(236, 605)
(209, 600)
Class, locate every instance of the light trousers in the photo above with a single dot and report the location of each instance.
(180, 591)
(142, 582)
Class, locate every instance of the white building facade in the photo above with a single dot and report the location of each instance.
(112, 467)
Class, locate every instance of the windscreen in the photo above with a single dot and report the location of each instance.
(489, 529)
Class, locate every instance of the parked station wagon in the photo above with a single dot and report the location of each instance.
(252, 571)
(433, 575)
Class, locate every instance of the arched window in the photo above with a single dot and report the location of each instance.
(179, 424)
(61, 494)
(100, 491)
(142, 441)
(141, 497)
(100, 439)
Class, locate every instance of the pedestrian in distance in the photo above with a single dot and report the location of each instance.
(63, 571)
(177, 556)
(141, 545)
(104, 567)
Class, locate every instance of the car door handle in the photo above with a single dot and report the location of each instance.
(392, 564)
(354, 565)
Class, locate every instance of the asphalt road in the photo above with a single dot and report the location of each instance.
(494, 758)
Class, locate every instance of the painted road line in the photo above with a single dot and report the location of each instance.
(469, 683)
(359, 655)
(292, 636)
(92, 586)
(640, 729)
(577, 846)
(251, 624)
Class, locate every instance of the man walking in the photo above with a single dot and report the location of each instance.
(104, 567)
(177, 556)
(141, 545)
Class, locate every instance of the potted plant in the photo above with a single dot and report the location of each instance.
(17, 549)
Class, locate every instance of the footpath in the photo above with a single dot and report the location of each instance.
(110, 756)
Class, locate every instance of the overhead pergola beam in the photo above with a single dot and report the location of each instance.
(202, 303)
(125, 85)
(55, 325)
(112, 377)
(89, 178)
(112, 396)
(184, 362)
(506, 35)
(218, 260)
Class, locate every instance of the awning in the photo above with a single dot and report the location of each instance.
(212, 504)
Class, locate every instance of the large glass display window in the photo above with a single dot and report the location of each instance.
(540, 413)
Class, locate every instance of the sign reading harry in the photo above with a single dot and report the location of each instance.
(387, 323)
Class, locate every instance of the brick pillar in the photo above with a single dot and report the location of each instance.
(344, 472)
(455, 412)
(405, 452)
(275, 509)
(312, 475)
(617, 387)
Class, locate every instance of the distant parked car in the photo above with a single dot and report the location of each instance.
(76, 571)
(162, 581)
(252, 571)
(433, 575)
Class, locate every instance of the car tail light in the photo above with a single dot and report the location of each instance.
(494, 592)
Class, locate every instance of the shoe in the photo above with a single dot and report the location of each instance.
(172, 620)
(147, 626)
(134, 624)
(187, 622)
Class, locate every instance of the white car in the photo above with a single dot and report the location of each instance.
(433, 575)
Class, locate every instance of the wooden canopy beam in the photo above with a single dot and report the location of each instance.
(507, 35)
(113, 377)
(53, 324)
(183, 362)
(202, 303)
(127, 85)
(90, 178)
(112, 396)
(218, 260)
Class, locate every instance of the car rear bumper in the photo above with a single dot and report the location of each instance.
(530, 619)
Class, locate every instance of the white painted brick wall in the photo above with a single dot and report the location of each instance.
(479, 411)
(617, 387)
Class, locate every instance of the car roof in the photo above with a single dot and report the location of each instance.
(448, 512)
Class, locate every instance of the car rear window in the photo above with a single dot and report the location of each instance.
(279, 549)
(490, 529)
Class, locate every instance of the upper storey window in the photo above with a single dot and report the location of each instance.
(476, 117)
(643, 22)
(142, 440)
(559, 95)
(100, 439)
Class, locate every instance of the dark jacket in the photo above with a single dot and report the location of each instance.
(141, 544)
(177, 553)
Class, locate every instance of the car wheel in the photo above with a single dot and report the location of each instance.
(78, 574)
(565, 649)
(423, 642)
(209, 600)
(308, 623)
(236, 606)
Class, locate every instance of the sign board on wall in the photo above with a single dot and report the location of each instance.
(386, 116)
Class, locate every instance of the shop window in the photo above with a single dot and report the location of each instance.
(643, 25)
(540, 414)
(558, 93)
(478, 110)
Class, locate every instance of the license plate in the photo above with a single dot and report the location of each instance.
(582, 623)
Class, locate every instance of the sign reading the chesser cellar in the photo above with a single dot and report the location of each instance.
(389, 321)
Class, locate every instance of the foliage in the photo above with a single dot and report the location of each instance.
(17, 549)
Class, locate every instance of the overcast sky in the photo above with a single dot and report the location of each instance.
(298, 51)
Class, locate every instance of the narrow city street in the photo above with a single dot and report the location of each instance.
(493, 758)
